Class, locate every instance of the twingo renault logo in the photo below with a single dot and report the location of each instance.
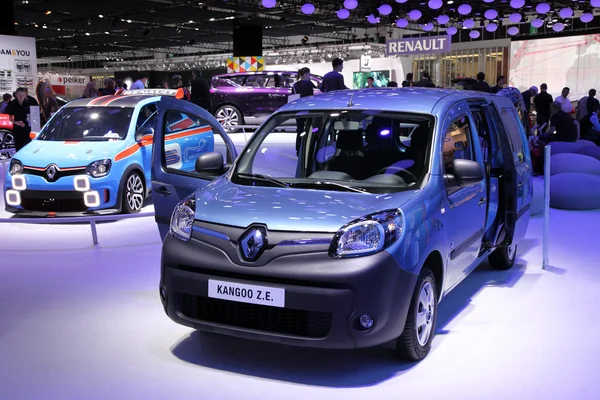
(15, 52)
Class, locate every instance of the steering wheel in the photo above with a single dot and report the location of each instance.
(393, 170)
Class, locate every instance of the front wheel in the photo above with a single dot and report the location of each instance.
(7, 144)
(229, 117)
(503, 258)
(133, 197)
(415, 342)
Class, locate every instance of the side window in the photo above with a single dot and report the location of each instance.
(515, 131)
(147, 117)
(457, 146)
(186, 137)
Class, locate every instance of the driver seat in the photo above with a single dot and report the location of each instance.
(349, 157)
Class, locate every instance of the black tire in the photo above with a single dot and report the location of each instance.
(131, 202)
(7, 143)
(409, 346)
(229, 116)
(503, 258)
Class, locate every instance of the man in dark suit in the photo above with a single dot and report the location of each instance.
(200, 91)
(334, 80)
(425, 81)
(481, 85)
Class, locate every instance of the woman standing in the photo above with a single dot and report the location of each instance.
(304, 88)
(182, 92)
(90, 90)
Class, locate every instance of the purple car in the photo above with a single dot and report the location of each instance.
(248, 98)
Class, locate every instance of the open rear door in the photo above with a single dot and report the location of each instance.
(185, 132)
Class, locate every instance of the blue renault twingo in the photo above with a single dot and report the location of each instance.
(349, 230)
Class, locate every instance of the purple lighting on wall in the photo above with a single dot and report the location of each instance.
(415, 15)
(517, 3)
(464, 9)
(565, 13)
(269, 3)
(443, 19)
(557, 27)
(451, 30)
(515, 17)
(468, 23)
(402, 23)
(491, 27)
(513, 30)
(350, 4)
(435, 4)
(474, 34)
(308, 9)
(490, 14)
(385, 9)
(586, 17)
(537, 23)
(343, 13)
(542, 8)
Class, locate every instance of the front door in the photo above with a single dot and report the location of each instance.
(185, 131)
(465, 216)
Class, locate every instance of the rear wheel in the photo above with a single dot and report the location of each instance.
(7, 143)
(133, 197)
(503, 258)
(415, 342)
(229, 117)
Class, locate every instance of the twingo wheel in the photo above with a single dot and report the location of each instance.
(415, 341)
(503, 258)
(229, 117)
(132, 199)
(7, 143)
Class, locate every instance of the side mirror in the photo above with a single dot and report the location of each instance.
(210, 163)
(468, 172)
(147, 131)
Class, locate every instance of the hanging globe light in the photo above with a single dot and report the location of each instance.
(565, 12)
(595, 3)
(537, 23)
(513, 30)
(415, 15)
(385, 9)
(451, 30)
(350, 4)
(557, 27)
(491, 27)
(401, 1)
(372, 19)
(402, 23)
(490, 14)
(517, 3)
(586, 17)
(464, 9)
(468, 23)
(515, 17)
(435, 4)
(343, 13)
(428, 27)
(542, 8)
(269, 3)
(308, 9)
(443, 19)
(488, 1)
(474, 34)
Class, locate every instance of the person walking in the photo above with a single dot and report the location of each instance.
(200, 90)
(304, 88)
(334, 80)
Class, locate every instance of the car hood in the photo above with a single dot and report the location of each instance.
(40, 153)
(287, 209)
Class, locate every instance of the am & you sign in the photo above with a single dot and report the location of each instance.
(419, 45)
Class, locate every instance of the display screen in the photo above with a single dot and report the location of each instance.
(359, 79)
(571, 62)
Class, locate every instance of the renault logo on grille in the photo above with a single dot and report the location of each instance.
(253, 243)
(51, 171)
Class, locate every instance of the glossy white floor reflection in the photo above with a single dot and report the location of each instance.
(79, 322)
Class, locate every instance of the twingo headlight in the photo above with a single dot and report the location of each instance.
(182, 219)
(368, 235)
(99, 168)
(16, 167)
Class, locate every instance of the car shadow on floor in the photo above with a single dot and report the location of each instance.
(333, 368)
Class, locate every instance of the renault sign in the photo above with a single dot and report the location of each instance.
(418, 45)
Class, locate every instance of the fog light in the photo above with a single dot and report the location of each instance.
(91, 199)
(18, 182)
(13, 198)
(366, 321)
(82, 183)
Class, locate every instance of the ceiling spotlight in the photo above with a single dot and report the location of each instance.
(87, 34)
(190, 21)
(107, 33)
(47, 12)
(128, 21)
(101, 16)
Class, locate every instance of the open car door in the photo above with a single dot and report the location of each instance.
(184, 133)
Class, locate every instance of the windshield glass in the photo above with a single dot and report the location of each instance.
(367, 151)
(88, 124)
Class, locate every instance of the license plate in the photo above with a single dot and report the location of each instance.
(252, 294)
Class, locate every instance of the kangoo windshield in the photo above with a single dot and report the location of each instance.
(353, 150)
(88, 124)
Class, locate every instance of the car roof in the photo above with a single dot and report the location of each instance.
(109, 101)
(418, 100)
(257, 73)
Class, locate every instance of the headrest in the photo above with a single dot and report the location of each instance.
(346, 126)
(350, 140)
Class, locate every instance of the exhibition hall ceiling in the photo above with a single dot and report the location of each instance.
(66, 28)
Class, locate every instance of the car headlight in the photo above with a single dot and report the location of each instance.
(182, 219)
(16, 167)
(368, 235)
(99, 168)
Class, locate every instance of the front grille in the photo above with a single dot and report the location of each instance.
(286, 321)
(60, 173)
(52, 201)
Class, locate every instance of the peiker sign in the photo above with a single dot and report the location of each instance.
(419, 45)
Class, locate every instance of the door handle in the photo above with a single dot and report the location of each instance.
(482, 201)
(162, 190)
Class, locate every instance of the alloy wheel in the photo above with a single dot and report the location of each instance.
(135, 192)
(425, 313)
(228, 117)
(7, 143)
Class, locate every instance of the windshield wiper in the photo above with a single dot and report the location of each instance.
(266, 178)
(334, 184)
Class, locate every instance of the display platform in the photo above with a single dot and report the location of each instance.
(85, 322)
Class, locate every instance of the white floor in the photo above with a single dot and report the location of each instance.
(85, 322)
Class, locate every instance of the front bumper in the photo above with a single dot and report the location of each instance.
(35, 196)
(324, 298)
